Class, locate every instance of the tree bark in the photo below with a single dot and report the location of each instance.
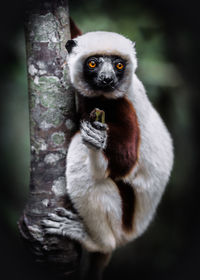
(52, 123)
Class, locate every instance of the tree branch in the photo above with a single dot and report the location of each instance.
(52, 123)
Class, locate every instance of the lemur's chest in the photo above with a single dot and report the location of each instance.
(122, 148)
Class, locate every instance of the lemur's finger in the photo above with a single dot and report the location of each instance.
(50, 224)
(65, 213)
(55, 231)
(55, 217)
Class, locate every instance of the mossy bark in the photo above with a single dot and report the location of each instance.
(52, 122)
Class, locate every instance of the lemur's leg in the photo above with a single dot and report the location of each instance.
(94, 136)
(98, 262)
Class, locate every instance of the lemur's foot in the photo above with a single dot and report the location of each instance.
(94, 135)
(64, 222)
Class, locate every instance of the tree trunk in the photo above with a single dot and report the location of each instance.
(52, 122)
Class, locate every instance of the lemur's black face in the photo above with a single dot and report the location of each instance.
(104, 72)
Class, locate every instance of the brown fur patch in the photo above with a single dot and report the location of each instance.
(128, 203)
(123, 134)
(75, 31)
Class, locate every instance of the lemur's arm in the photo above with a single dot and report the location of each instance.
(94, 136)
(98, 164)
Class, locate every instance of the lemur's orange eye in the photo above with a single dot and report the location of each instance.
(120, 66)
(92, 64)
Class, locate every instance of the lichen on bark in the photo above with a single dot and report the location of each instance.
(52, 122)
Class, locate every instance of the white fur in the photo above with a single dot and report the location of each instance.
(95, 196)
(153, 169)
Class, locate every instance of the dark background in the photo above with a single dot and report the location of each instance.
(168, 44)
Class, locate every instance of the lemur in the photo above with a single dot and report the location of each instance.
(116, 170)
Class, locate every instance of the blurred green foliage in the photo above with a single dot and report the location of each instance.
(15, 136)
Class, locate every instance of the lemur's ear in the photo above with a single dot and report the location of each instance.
(69, 45)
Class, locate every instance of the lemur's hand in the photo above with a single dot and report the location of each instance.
(94, 132)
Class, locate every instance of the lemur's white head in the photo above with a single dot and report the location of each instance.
(101, 63)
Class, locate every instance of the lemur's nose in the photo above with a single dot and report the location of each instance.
(108, 80)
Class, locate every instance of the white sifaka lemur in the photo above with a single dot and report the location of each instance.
(116, 170)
